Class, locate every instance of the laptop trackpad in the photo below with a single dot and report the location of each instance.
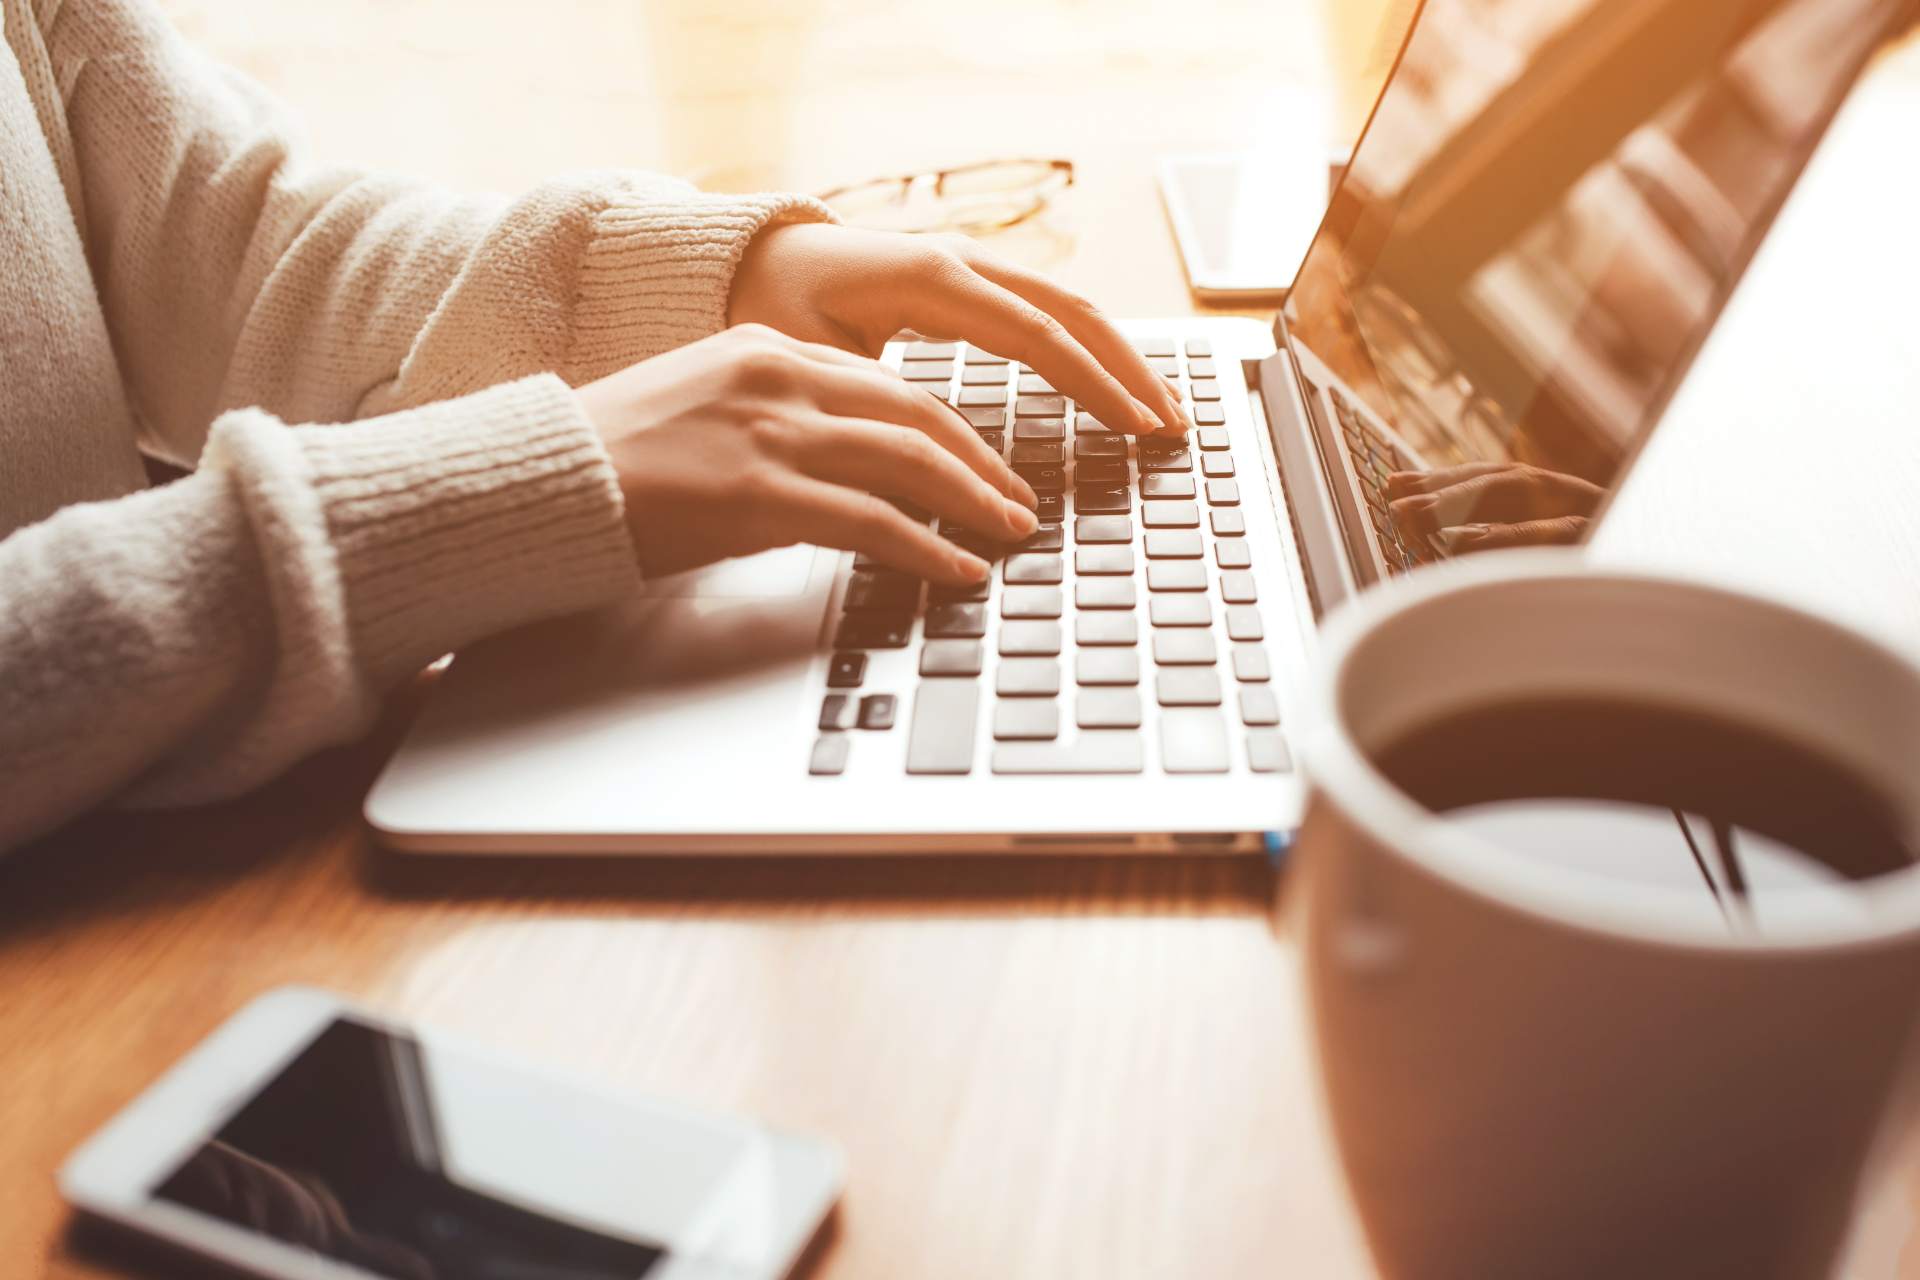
(769, 575)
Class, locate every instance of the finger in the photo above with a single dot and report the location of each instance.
(1557, 531)
(1092, 330)
(1402, 484)
(1510, 495)
(832, 515)
(885, 458)
(865, 389)
(967, 305)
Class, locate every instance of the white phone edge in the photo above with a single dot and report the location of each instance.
(1206, 286)
(109, 1176)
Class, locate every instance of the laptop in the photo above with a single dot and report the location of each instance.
(1547, 211)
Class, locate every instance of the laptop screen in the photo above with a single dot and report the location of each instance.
(1546, 212)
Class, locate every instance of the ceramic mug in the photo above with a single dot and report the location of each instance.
(1535, 1073)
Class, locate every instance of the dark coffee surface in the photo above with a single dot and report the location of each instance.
(1652, 795)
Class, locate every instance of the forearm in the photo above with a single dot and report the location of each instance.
(192, 641)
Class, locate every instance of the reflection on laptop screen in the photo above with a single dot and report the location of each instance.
(1550, 206)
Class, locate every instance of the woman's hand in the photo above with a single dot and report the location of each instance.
(855, 289)
(750, 440)
(1485, 505)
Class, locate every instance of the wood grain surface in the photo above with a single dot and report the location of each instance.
(1040, 1068)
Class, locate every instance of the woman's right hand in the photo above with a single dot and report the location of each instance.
(750, 440)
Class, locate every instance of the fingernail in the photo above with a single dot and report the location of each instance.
(1021, 520)
(1463, 536)
(971, 567)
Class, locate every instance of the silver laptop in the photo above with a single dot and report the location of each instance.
(1546, 213)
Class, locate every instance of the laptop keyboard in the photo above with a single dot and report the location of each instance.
(1134, 604)
(1374, 459)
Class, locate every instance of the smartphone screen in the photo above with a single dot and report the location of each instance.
(414, 1161)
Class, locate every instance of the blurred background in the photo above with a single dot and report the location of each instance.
(812, 94)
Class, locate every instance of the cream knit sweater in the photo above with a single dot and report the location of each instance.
(178, 277)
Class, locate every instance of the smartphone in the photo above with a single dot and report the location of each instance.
(307, 1138)
(1243, 222)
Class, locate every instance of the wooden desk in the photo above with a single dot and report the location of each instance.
(1038, 1068)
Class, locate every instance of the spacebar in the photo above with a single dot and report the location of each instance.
(1094, 751)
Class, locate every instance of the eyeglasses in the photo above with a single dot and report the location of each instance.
(976, 197)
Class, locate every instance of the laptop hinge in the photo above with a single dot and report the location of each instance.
(1316, 530)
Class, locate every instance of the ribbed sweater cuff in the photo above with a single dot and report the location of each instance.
(658, 270)
(466, 517)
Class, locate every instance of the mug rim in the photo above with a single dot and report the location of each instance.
(1340, 772)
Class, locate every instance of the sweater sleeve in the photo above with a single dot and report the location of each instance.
(191, 641)
(236, 271)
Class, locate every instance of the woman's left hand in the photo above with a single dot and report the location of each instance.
(855, 289)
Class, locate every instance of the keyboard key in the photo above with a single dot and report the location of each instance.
(1174, 544)
(1167, 460)
(1258, 706)
(985, 419)
(846, 670)
(1040, 429)
(1227, 523)
(1106, 529)
(1250, 663)
(1029, 602)
(1043, 477)
(1243, 623)
(881, 591)
(927, 370)
(957, 621)
(1106, 667)
(1209, 415)
(1111, 627)
(984, 375)
(1238, 587)
(976, 356)
(1085, 424)
(1232, 553)
(1089, 561)
(1027, 678)
(836, 711)
(1216, 464)
(1170, 515)
(1165, 486)
(965, 591)
(873, 631)
(932, 350)
(1029, 639)
(1033, 568)
(1152, 347)
(994, 440)
(1040, 407)
(1166, 366)
(1098, 447)
(1176, 647)
(1093, 751)
(1176, 575)
(1032, 384)
(1203, 390)
(1201, 368)
(1036, 451)
(951, 658)
(1223, 493)
(1180, 611)
(1187, 687)
(829, 755)
(1211, 439)
(1101, 472)
(1052, 507)
(1103, 501)
(1193, 740)
(983, 396)
(1045, 538)
(1267, 752)
(1026, 719)
(1107, 709)
(945, 715)
(877, 711)
(1199, 348)
(1103, 593)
